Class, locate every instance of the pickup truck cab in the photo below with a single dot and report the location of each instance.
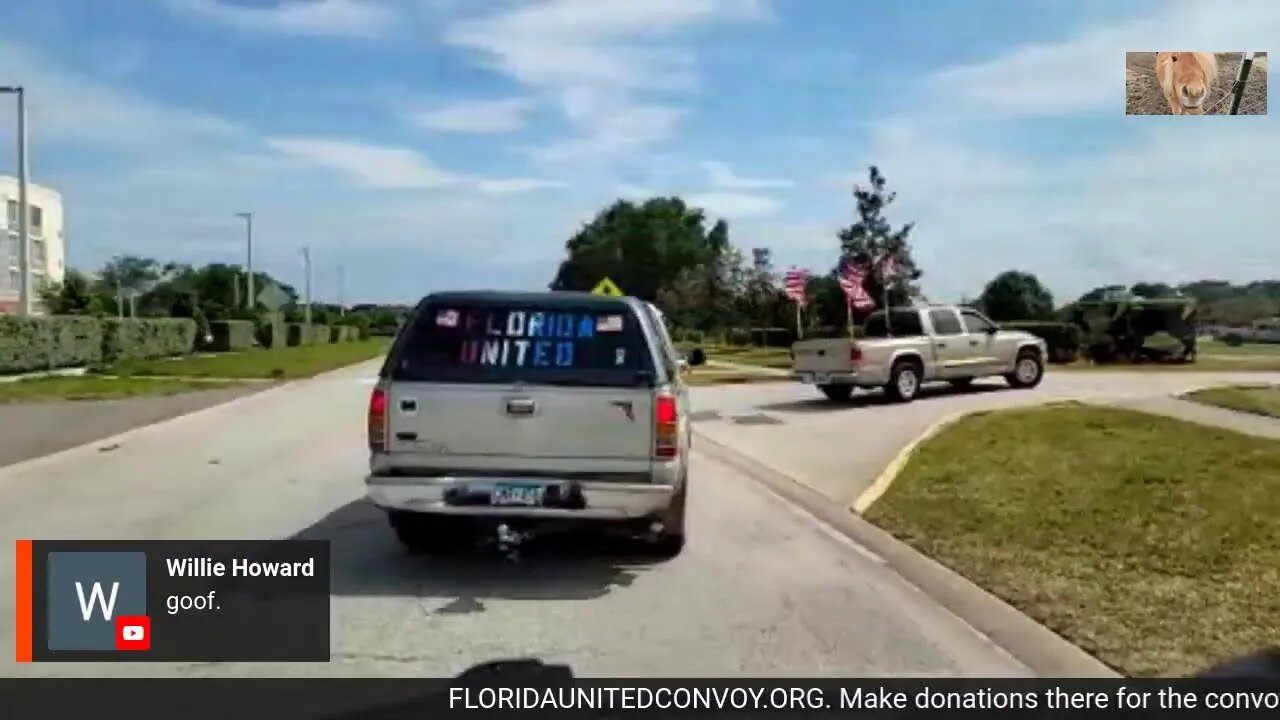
(523, 411)
(907, 347)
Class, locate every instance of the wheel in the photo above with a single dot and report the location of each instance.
(671, 542)
(1028, 370)
(420, 533)
(904, 381)
(961, 383)
(837, 393)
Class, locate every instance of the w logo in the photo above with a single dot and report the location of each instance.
(87, 591)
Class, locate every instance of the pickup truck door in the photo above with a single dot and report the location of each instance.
(985, 344)
(954, 356)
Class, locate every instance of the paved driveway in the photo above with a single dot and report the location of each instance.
(839, 449)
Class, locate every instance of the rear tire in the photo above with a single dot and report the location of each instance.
(420, 533)
(904, 381)
(1028, 370)
(671, 542)
(837, 393)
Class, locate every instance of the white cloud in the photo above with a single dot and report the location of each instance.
(723, 178)
(1084, 73)
(372, 166)
(381, 167)
(349, 18)
(733, 206)
(476, 116)
(578, 52)
(64, 106)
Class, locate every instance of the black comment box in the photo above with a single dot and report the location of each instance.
(180, 601)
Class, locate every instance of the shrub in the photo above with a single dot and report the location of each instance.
(694, 336)
(773, 336)
(294, 334)
(29, 344)
(1063, 339)
(361, 324)
(739, 336)
(231, 335)
(145, 339)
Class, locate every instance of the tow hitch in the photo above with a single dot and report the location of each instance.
(509, 540)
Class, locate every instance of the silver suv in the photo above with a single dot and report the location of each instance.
(516, 412)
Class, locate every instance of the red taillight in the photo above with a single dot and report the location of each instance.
(378, 420)
(666, 420)
(855, 354)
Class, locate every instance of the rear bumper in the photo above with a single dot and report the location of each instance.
(828, 378)
(603, 501)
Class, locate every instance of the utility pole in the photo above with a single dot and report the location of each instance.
(306, 259)
(251, 300)
(24, 211)
(342, 290)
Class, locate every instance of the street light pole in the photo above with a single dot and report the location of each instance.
(342, 290)
(24, 212)
(306, 259)
(251, 300)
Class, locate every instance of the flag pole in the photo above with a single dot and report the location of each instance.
(799, 326)
(848, 315)
(884, 284)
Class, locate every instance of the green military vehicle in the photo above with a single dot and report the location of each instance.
(1119, 326)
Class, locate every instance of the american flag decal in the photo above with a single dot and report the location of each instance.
(447, 318)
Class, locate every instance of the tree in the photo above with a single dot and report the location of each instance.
(871, 236)
(643, 248)
(1015, 295)
(73, 296)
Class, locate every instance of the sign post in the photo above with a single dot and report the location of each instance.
(607, 287)
(273, 298)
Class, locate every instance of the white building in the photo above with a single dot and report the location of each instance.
(48, 246)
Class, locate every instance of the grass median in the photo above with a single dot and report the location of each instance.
(260, 363)
(703, 377)
(93, 387)
(1150, 542)
(1254, 399)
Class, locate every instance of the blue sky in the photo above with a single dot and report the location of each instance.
(425, 144)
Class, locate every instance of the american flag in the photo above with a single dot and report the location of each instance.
(888, 266)
(851, 277)
(795, 285)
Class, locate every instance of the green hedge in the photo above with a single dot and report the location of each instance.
(231, 335)
(343, 333)
(739, 336)
(1063, 339)
(145, 339)
(29, 344)
(294, 334)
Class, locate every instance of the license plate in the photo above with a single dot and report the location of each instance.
(518, 495)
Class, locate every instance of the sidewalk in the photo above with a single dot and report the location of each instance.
(753, 369)
(1195, 412)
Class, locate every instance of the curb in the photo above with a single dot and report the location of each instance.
(119, 438)
(895, 467)
(1043, 651)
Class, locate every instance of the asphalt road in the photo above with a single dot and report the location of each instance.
(761, 590)
(838, 449)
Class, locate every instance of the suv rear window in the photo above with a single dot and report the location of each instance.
(551, 343)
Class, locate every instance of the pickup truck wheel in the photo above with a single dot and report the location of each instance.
(838, 393)
(1028, 370)
(670, 542)
(904, 381)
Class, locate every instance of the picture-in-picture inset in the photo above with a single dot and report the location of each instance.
(1184, 82)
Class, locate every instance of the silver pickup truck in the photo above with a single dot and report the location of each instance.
(908, 347)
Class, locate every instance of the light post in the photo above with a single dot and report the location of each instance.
(24, 212)
(306, 259)
(251, 300)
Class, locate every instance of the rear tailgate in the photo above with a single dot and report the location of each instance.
(506, 421)
(488, 386)
(822, 356)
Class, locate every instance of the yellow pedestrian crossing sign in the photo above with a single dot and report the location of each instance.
(606, 287)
